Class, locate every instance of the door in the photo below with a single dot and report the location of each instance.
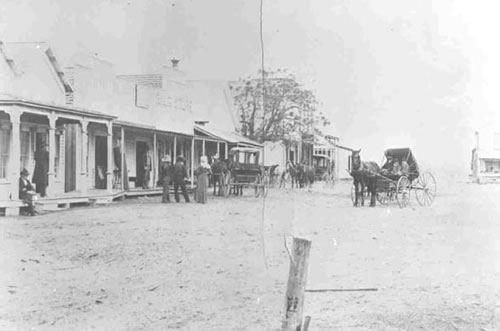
(101, 161)
(140, 149)
(70, 158)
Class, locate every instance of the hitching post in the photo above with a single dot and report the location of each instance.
(297, 279)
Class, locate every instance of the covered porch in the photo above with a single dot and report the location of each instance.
(26, 125)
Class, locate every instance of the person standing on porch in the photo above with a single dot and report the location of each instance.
(147, 168)
(202, 180)
(41, 173)
(166, 175)
(180, 174)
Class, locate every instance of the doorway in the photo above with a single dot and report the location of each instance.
(70, 158)
(140, 149)
(101, 161)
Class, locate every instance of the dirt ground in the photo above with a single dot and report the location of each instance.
(142, 265)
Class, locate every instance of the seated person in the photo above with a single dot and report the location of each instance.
(27, 191)
(396, 168)
(405, 168)
(388, 166)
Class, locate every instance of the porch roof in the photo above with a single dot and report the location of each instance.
(489, 155)
(8, 100)
(230, 137)
(149, 127)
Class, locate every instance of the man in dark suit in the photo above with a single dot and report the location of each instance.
(27, 191)
(180, 174)
(41, 173)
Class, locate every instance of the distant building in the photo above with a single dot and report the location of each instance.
(485, 159)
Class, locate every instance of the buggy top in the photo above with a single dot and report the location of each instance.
(405, 154)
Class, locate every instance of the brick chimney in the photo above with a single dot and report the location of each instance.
(175, 62)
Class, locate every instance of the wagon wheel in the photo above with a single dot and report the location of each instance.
(265, 186)
(425, 189)
(226, 182)
(353, 195)
(403, 192)
(383, 197)
(257, 185)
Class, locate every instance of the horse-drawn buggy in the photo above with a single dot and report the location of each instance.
(324, 169)
(395, 181)
(242, 169)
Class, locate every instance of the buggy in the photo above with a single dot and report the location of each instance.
(324, 169)
(398, 187)
(245, 171)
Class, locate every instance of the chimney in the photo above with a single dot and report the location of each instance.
(175, 63)
(476, 134)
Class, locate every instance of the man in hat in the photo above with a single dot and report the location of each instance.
(41, 173)
(180, 174)
(27, 191)
(166, 176)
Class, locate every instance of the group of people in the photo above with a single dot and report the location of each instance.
(177, 173)
(395, 167)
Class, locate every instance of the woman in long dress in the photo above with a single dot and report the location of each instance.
(202, 180)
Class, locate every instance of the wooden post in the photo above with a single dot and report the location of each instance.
(203, 148)
(122, 155)
(192, 162)
(110, 165)
(297, 280)
(155, 162)
(174, 157)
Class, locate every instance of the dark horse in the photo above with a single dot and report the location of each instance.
(219, 168)
(364, 175)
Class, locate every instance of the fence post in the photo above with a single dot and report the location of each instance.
(297, 280)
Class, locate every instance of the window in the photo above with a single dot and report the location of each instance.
(4, 151)
(492, 166)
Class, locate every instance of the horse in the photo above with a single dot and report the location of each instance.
(308, 173)
(295, 173)
(364, 174)
(219, 168)
(272, 173)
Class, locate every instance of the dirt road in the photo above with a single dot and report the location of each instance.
(142, 265)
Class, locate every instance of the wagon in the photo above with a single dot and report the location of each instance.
(245, 171)
(399, 187)
(323, 169)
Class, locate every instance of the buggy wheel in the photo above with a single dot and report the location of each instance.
(226, 184)
(257, 185)
(425, 189)
(353, 195)
(403, 192)
(383, 198)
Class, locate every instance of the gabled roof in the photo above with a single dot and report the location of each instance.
(24, 54)
(230, 137)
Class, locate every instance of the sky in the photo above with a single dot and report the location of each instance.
(388, 73)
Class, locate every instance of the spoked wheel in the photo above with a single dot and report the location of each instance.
(227, 184)
(265, 186)
(353, 195)
(403, 192)
(383, 198)
(425, 189)
(257, 185)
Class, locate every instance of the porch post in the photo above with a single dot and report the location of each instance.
(84, 160)
(122, 155)
(218, 148)
(192, 162)
(155, 163)
(226, 151)
(15, 154)
(203, 147)
(52, 154)
(174, 157)
(109, 172)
